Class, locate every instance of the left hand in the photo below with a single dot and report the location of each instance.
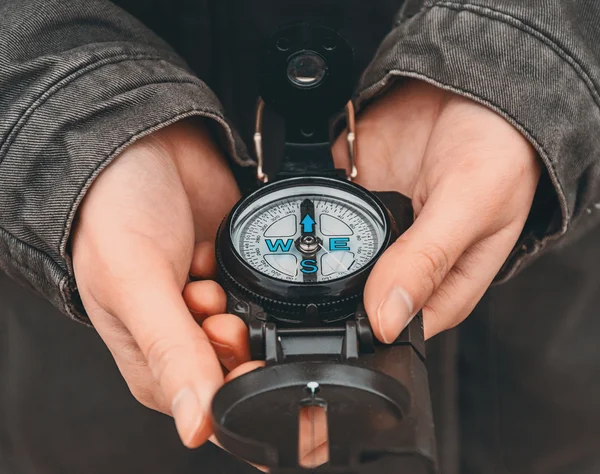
(229, 337)
(472, 178)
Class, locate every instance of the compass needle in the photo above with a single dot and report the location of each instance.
(327, 231)
(336, 260)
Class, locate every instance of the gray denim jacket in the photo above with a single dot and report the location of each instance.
(80, 80)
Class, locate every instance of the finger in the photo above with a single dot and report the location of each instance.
(204, 262)
(178, 352)
(313, 443)
(204, 298)
(244, 369)
(229, 337)
(129, 359)
(466, 283)
(413, 267)
(239, 371)
(313, 436)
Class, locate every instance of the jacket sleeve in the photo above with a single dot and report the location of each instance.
(79, 81)
(536, 63)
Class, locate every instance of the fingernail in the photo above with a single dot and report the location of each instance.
(224, 352)
(188, 414)
(394, 314)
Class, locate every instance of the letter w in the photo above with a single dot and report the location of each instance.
(278, 245)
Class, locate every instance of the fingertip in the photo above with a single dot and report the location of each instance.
(382, 303)
(201, 436)
(244, 369)
(192, 420)
(229, 337)
(204, 298)
(204, 262)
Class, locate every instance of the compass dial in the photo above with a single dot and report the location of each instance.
(308, 233)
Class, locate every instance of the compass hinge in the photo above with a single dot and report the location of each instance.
(340, 343)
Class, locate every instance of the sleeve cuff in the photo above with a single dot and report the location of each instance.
(68, 139)
(516, 70)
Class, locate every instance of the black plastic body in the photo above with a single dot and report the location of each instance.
(307, 111)
(287, 301)
(299, 105)
(378, 403)
(378, 408)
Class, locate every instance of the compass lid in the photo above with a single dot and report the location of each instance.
(328, 417)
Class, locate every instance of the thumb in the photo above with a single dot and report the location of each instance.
(414, 266)
(179, 354)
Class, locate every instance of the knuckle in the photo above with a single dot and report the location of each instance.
(460, 272)
(433, 263)
(160, 354)
(430, 312)
(433, 317)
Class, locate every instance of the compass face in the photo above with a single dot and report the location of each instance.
(309, 233)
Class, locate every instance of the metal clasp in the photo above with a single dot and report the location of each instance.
(350, 138)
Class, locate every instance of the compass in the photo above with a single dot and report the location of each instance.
(294, 257)
(304, 244)
(311, 230)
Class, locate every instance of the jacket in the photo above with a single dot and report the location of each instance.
(80, 80)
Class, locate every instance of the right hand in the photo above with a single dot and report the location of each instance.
(133, 246)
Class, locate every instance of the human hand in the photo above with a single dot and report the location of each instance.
(472, 178)
(133, 246)
(232, 346)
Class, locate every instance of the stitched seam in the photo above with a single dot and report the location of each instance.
(401, 18)
(25, 265)
(64, 283)
(129, 140)
(531, 30)
(467, 93)
(208, 114)
(61, 84)
(110, 156)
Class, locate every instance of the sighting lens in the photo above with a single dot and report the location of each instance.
(306, 69)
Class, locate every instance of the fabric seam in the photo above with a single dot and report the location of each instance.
(64, 283)
(37, 103)
(61, 84)
(529, 29)
(544, 155)
(217, 117)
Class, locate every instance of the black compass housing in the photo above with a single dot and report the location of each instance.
(376, 397)
(306, 103)
(297, 303)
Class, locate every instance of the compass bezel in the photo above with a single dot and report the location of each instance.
(287, 297)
